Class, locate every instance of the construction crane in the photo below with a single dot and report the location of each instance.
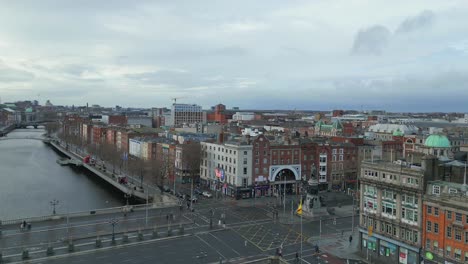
(175, 99)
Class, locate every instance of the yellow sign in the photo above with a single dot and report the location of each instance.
(369, 230)
(299, 208)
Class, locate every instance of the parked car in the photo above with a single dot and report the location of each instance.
(207, 194)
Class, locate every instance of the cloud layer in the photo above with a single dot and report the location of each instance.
(263, 54)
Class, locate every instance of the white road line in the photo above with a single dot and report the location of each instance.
(224, 244)
(208, 244)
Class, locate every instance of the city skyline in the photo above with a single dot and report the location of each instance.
(264, 55)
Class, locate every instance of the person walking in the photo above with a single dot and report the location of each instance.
(350, 239)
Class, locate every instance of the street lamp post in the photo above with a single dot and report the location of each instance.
(54, 203)
(113, 222)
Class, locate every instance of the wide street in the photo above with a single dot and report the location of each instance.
(218, 229)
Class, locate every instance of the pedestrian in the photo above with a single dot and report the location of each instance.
(350, 239)
(297, 257)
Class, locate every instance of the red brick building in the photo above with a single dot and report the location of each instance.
(445, 223)
(98, 134)
(219, 115)
(117, 120)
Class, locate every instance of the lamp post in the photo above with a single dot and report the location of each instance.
(54, 203)
(113, 222)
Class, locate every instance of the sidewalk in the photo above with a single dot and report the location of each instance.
(339, 246)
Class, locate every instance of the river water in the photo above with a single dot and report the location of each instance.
(30, 179)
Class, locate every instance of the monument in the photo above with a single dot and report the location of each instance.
(313, 201)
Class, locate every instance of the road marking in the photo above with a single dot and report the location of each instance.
(224, 244)
(208, 244)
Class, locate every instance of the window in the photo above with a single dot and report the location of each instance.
(245, 152)
(449, 214)
(244, 182)
(265, 161)
(429, 209)
(334, 158)
(466, 237)
(436, 189)
(449, 231)
(256, 170)
(436, 228)
(448, 251)
(457, 254)
(436, 211)
(409, 214)
(341, 157)
(245, 161)
(389, 208)
(245, 171)
(466, 256)
(341, 151)
(458, 217)
(436, 245)
(429, 226)
(256, 161)
(458, 235)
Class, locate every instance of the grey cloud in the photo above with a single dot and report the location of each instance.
(371, 41)
(422, 21)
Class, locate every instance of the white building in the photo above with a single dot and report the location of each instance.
(227, 167)
(243, 116)
(135, 147)
(186, 114)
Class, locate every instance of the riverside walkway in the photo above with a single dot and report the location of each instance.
(142, 193)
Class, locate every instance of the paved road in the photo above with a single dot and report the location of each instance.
(235, 223)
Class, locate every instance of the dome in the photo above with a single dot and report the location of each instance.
(437, 141)
(398, 133)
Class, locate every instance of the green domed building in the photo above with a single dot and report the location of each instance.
(438, 145)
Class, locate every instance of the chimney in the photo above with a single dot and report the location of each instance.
(221, 138)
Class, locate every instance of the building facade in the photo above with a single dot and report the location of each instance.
(445, 226)
(184, 114)
(390, 211)
(227, 168)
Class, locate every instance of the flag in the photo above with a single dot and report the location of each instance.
(299, 208)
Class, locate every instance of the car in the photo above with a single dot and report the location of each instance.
(207, 194)
(166, 188)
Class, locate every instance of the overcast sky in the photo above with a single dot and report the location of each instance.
(396, 55)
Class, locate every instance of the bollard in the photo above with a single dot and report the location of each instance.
(98, 242)
(50, 251)
(125, 238)
(71, 247)
(25, 254)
